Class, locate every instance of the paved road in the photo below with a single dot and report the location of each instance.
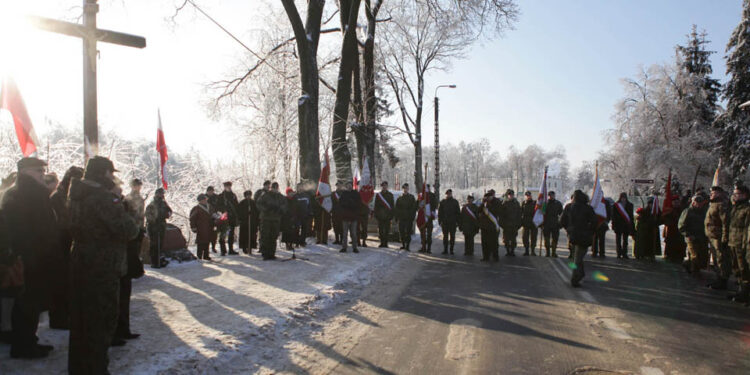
(457, 315)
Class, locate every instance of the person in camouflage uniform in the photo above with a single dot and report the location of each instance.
(406, 208)
(448, 216)
(692, 226)
(272, 206)
(157, 213)
(551, 225)
(739, 231)
(511, 221)
(530, 230)
(101, 228)
(468, 224)
(384, 207)
(717, 225)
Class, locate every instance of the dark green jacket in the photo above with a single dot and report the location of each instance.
(272, 206)
(528, 208)
(552, 214)
(406, 207)
(510, 217)
(469, 219)
(692, 223)
(739, 221)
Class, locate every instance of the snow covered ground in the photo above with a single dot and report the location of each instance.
(233, 315)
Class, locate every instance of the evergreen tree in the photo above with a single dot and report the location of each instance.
(735, 122)
(701, 92)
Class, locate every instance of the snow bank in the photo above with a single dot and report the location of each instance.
(233, 315)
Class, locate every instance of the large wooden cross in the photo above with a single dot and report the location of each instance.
(90, 35)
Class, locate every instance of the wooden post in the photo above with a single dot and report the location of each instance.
(90, 128)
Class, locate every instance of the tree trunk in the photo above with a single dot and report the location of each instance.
(349, 10)
(307, 37)
(371, 103)
(418, 178)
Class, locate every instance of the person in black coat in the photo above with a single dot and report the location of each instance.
(622, 224)
(601, 232)
(32, 235)
(448, 216)
(247, 214)
(59, 315)
(228, 203)
(579, 221)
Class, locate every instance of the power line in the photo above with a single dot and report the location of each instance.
(224, 29)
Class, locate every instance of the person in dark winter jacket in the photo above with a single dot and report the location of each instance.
(510, 219)
(351, 208)
(692, 226)
(32, 235)
(384, 210)
(601, 232)
(202, 224)
(448, 216)
(273, 207)
(579, 221)
(489, 216)
(469, 224)
(406, 208)
(551, 225)
(59, 316)
(213, 205)
(228, 203)
(291, 222)
(247, 217)
(623, 224)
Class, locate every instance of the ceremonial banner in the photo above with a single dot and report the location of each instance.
(541, 202)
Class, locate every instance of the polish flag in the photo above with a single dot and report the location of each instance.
(366, 190)
(11, 100)
(324, 186)
(717, 175)
(597, 198)
(357, 177)
(541, 202)
(161, 148)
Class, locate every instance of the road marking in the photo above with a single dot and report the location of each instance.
(461, 343)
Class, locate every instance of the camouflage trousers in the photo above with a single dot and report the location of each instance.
(741, 254)
(510, 238)
(93, 321)
(698, 252)
(529, 235)
(722, 257)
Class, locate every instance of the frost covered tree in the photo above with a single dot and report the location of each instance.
(426, 35)
(734, 124)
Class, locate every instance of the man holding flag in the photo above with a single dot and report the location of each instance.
(161, 148)
(602, 211)
(622, 224)
(384, 213)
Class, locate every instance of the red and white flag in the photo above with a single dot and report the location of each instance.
(366, 190)
(717, 175)
(356, 178)
(324, 185)
(597, 197)
(11, 100)
(541, 202)
(161, 148)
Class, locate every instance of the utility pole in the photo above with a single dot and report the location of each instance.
(437, 140)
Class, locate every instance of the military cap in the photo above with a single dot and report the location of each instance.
(405, 185)
(201, 197)
(551, 192)
(266, 182)
(210, 188)
(159, 191)
(98, 165)
(717, 188)
(527, 193)
(384, 183)
(741, 187)
(136, 182)
(449, 191)
(470, 196)
(247, 194)
(30, 162)
(227, 183)
(491, 192)
(509, 192)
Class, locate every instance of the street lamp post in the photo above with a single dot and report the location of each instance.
(437, 140)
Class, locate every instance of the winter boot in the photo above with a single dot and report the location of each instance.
(526, 253)
(429, 247)
(223, 247)
(451, 249)
(445, 247)
(742, 294)
(554, 253)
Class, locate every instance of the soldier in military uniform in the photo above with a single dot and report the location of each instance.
(468, 223)
(489, 215)
(134, 205)
(157, 213)
(511, 221)
(384, 213)
(101, 228)
(551, 226)
(228, 203)
(739, 230)
(530, 231)
(31, 230)
(717, 225)
(692, 226)
(406, 208)
(448, 216)
(272, 206)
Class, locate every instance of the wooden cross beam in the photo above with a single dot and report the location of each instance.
(89, 34)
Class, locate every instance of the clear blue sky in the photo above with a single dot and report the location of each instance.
(556, 78)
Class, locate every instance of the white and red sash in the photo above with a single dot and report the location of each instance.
(492, 217)
(622, 212)
(385, 202)
(474, 217)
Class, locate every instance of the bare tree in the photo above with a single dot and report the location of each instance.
(427, 35)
